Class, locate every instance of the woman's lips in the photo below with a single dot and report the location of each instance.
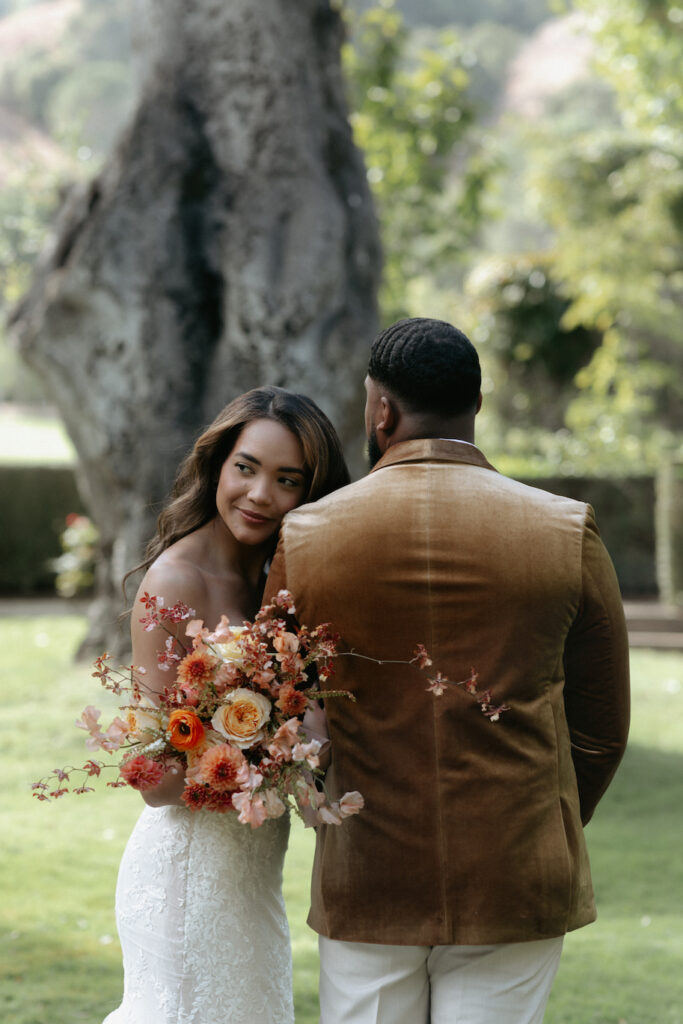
(253, 517)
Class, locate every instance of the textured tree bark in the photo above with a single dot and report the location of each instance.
(229, 242)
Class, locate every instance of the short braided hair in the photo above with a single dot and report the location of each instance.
(428, 364)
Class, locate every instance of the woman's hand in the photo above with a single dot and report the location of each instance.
(314, 726)
(169, 790)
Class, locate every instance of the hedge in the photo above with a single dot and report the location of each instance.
(35, 502)
(625, 514)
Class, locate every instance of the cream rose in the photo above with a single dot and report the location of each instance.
(242, 717)
(143, 718)
(231, 651)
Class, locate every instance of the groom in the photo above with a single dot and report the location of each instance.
(447, 898)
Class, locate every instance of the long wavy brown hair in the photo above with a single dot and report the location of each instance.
(193, 498)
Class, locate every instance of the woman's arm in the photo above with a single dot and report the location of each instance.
(173, 584)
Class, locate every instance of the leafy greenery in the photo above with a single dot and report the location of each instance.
(524, 15)
(410, 115)
(599, 183)
(60, 957)
(75, 97)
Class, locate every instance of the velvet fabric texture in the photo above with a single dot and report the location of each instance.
(472, 829)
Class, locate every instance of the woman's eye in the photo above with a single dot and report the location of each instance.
(289, 481)
(242, 467)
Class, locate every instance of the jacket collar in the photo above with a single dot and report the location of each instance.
(432, 450)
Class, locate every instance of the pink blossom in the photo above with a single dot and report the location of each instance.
(286, 643)
(167, 658)
(284, 739)
(437, 685)
(255, 779)
(252, 810)
(89, 720)
(292, 664)
(196, 629)
(97, 738)
(114, 736)
(329, 814)
(422, 657)
(351, 803)
(222, 634)
(307, 752)
(263, 677)
(150, 622)
(275, 808)
(142, 773)
(285, 601)
(191, 694)
(226, 675)
(494, 713)
(471, 683)
(307, 795)
(178, 612)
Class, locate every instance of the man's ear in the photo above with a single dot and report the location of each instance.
(388, 417)
(480, 399)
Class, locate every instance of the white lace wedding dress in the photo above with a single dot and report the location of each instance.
(202, 921)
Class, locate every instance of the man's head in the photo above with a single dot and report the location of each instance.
(424, 380)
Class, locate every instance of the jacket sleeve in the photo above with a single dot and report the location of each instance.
(597, 693)
(277, 576)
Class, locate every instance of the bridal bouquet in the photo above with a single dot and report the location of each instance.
(232, 718)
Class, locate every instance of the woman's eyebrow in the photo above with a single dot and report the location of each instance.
(280, 469)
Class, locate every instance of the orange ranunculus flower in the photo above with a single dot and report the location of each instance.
(185, 729)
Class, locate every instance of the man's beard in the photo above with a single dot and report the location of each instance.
(374, 454)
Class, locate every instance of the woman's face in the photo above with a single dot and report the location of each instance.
(263, 478)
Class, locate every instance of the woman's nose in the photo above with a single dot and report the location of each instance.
(259, 491)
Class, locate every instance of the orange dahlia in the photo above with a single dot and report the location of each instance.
(292, 701)
(185, 729)
(225, 768)
(196, 668)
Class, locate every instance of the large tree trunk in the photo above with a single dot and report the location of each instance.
(229, 242)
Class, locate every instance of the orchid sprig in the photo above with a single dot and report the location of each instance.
(438, 683)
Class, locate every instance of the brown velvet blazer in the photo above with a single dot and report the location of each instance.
(472, 830)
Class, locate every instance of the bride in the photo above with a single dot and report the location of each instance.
(199, 905)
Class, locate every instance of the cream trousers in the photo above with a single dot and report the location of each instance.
(363, 983)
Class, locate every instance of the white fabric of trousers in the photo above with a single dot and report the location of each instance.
(364, 983)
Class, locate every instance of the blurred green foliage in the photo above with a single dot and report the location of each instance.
(519, 313)
(76, 91)
(555, 240)
(613, 197)
(523, 15)
(411, 115)
(27, 201)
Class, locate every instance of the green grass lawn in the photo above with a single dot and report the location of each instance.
(59, 955)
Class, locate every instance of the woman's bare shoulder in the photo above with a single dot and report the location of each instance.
(174, 577)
